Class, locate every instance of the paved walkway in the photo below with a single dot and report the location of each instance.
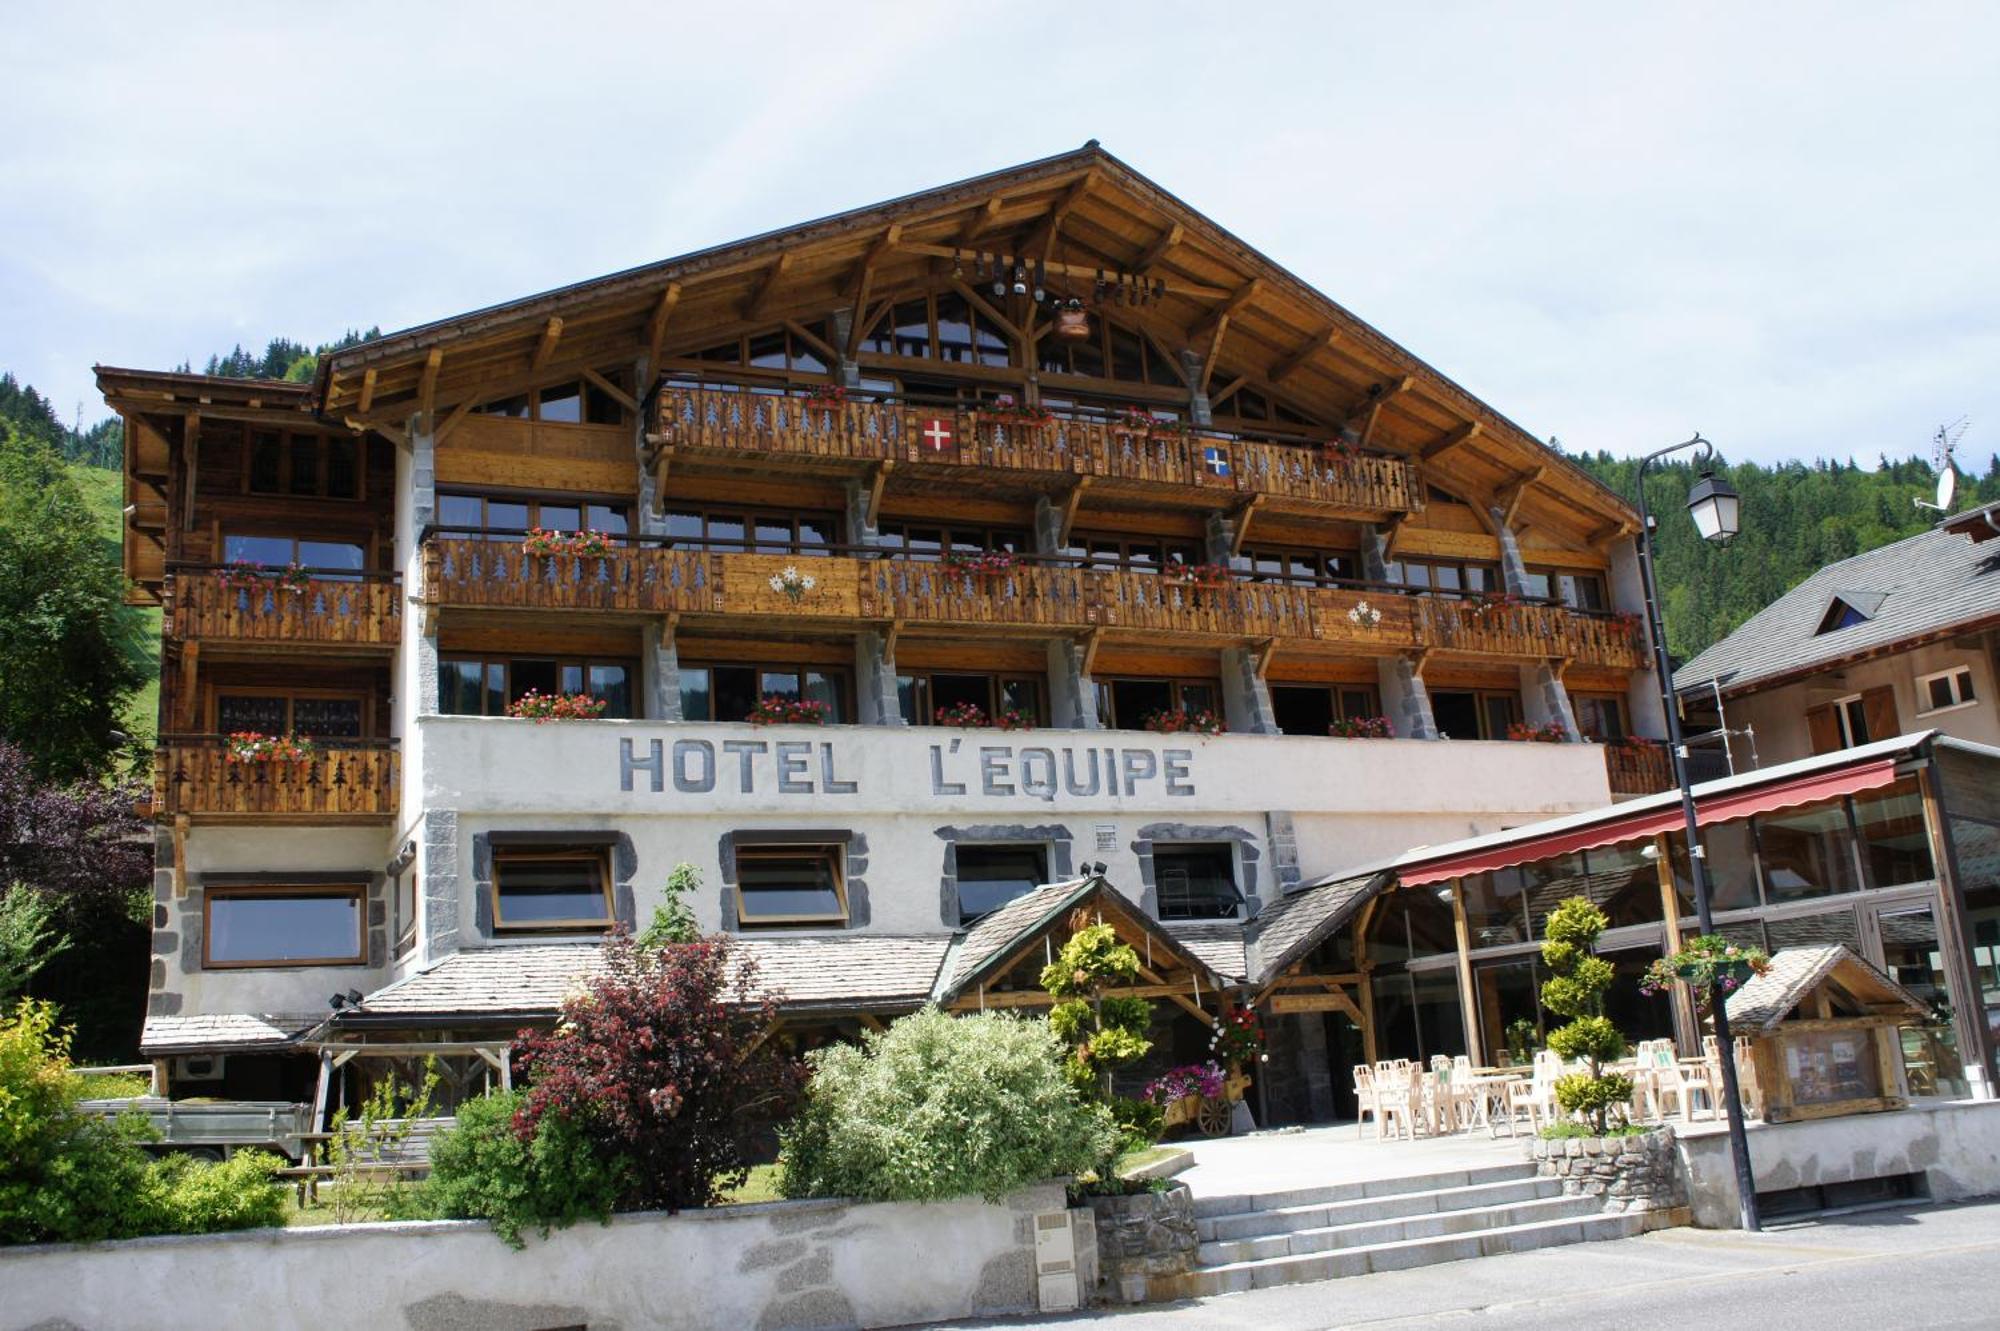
(1314, 1157)
(1929, 1267)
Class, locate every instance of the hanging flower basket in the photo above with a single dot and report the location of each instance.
(1705, 964)
(829, 395)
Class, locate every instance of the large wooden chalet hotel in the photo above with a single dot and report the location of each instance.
(933, 570)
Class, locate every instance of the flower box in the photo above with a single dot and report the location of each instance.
(772, 710)
(539, 707)
(544, 543)
(248, 746)
(1185, 721)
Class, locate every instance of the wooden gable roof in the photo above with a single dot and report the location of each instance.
(1248, 320)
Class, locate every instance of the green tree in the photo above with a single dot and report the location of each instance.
(1575, 990)
(66, 641)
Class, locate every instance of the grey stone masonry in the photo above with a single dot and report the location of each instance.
(1283, 839)
(1072, 694)
(1246, 698)
(1406, 701)
(440, 883)
(1199, 410)
(1641, 1173)
(660, 672)
(1143, 1238)
(1513, 571)
(875, 681)
(860, 530)
(1546, 698)
(423, 476)
(1218, 538)
(1048, 526)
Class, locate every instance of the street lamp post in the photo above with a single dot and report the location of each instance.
(1714, 507)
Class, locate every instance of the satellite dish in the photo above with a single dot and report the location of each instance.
(1943, 442)
(1947, 487)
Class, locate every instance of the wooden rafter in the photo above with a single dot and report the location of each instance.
(450, 422)
(427, 384)
(1611, 531)
(1091, 642)
(767, 286)
(863, 283)
(1361, 417)
(1192, 290)
(656, 325)
(1158, 249)
(545, 346)
(1465, 433)
(366, 398)
(878, 478)
(1508, 499)
(1239, 520)
(1218, 317)
(611, 390)
(985, 307)
(1261, 654)
(1071, 502)
(811, 339)
(1041, 245)
(1420, 660)
(981, 220)
(1305, 351)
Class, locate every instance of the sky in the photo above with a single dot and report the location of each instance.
(1615, 223)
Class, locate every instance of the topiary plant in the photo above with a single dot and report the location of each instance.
(1576, 990)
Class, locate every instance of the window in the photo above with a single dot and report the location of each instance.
(1196, 882)
(1840, 615)
(1855, 719)
(1449, 576)
(991, 876)
(925, 541)
(537, 888)
(484, 686)
(572, 402)
(280, 462)
(1578, 591)
(1301, 567)
(1311, 709)
(1945, 690)
(336, 561)
(1475, 713)
(1125, 704)
(1600, 716)
(1139, 554)
(921, 695)
(505, 518)
(769, 532)
(732, 692)
(800, 351)
(778, 885)
(296, 712)
(282, 926)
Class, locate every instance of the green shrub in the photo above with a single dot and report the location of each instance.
(1564, 1131)
(1576, 990)
(938, 1107)
(189, 1196)
(673, 919)
(484, 1169)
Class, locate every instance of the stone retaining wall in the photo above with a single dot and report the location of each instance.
(1143, 1240)
(1641, 1173)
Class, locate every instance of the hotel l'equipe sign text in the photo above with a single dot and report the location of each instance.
(958, 768)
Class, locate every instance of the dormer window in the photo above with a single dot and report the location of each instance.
(1844, 612)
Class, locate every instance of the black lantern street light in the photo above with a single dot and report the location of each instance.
(1716, 511)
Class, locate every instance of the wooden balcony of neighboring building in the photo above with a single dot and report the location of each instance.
(1639, 769)
(200, 777)
(1048, 596)
(211, 603)
(724, 422)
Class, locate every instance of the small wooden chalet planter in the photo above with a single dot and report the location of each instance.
(1825, 1035)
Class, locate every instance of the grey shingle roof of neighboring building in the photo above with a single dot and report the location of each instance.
(1769, 998)
(1218, 943)
(1910, 589)
(223, 1032)
(1295, 924)
(871, 972)
(990, 936)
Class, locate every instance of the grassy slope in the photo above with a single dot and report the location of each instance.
(104, 489)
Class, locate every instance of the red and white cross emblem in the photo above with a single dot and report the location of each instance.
(937, 435)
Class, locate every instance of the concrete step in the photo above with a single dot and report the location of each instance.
(1373, 1233)
(1390, 1206)
(1262, 1273)
(1236, 1203)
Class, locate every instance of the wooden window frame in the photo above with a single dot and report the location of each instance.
(750, 513)
(291, 696)
(320, 442)
(996, 682)
(842, 674)
(534, 499)
(834, 852)
(278, 888)
(506, 663)
(1080, 541)
(365, 544)
(989, 535)
(1176, 682)
(1969, 698)
(597, 856)
(1480, 697)
(1495, 575)
(1615, 699)
(1243, 563)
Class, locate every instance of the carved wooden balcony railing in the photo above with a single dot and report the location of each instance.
(341, 780)
(1639, 769)
(1053, 596)
(205, 603)
(713, 420)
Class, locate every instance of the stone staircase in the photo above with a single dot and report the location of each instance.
(1253, 1241)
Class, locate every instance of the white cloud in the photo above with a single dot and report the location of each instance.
(1768, 221)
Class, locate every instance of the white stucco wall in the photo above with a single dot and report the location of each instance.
(1779, 715)
(774, 1266)
(1955, 1145)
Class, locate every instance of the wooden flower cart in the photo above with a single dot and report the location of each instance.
(1210, 1115)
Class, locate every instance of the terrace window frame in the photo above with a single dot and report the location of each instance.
(286, 442)
(1178, 685)
(291, 697)
(839, 678)
(596, 856)
(619, 506)
(924, 697)
(751, 516)
(505, 663)
(1232, 851)
(280, 890)
(1958, 683)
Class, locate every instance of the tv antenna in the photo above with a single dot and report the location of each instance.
(1942, 443)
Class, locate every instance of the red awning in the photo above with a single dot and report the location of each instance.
(1718, 808)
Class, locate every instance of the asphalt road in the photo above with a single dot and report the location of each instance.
(1928, 1267)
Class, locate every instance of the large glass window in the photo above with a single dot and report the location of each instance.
(1895, 845)
(1913, 956)
(1136, 704)
(302, 465)
(1475, 714)
(1311, 709)
(765, 531)
(551, 889)
(991, 876)
(1496, 907)
(278, 712)
(1138, 554)
(504, 518)
(571, 402)
(930, 541)
(334, 561)
(279, 926)
(1196, 882)
(1300, 567)
(1806, 853)
(778, 885)
(936, 697)
(732, 692)
(1730, 862)
(485, 686)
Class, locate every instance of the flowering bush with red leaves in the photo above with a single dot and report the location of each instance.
(658, 1059)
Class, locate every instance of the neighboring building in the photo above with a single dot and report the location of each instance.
(1898, 639)
(876, 470)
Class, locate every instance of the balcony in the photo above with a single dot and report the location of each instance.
(1050, 595)
(196, 776)
(212, 602)
(725, 423)
(1639, 769)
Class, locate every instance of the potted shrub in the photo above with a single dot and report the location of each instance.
(1575, 989)
(985, 565)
